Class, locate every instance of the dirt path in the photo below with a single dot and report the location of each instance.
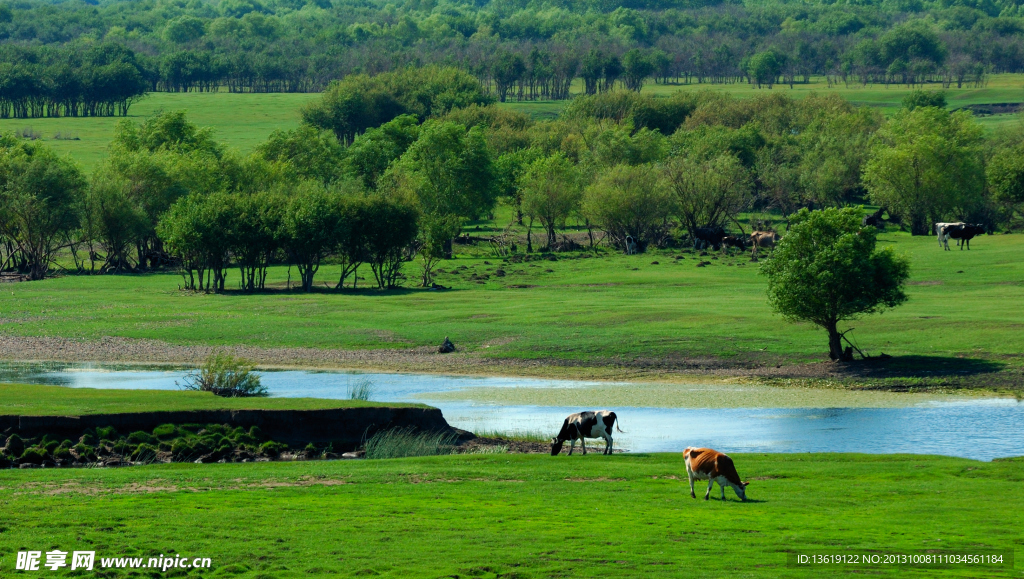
(427, 360)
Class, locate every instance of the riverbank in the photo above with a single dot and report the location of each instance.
(940, 375)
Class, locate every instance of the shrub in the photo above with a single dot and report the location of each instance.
(106, 432)
(403, 442)
(15, 446)
(165, 431)
(63, 451)
(34, 455)
(226, 376)
(88, 439)
(272, 449)
(84, 452)
(256, 433)
(140, 437)
(144, 453)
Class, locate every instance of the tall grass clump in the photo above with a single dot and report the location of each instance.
(403, 442)
(227, 376)
(516, 435)
(360, 389)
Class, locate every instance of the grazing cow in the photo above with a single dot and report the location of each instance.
(714, 467)
(875, 219)
(630, 245)
(759, 239)
(941, 232)
(734, 241)
(584, 425)
(705, 236)
(963, 234)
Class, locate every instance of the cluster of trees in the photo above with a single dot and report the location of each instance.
(526, 50)
(102, 81)
(388, 168)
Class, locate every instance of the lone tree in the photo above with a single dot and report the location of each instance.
(826, 270)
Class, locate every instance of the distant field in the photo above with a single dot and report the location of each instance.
(36, 400)
(1000, 88)
(518, 516)
(241, 121)
(963, 305)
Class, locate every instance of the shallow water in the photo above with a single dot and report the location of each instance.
(979, 428)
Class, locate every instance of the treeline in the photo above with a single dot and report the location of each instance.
(386, 169)
(527, 50)
(103, 81)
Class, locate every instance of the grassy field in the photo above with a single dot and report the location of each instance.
(999, 88)
(35, 400)
(521, 516)
(242, 121)
(964, 307)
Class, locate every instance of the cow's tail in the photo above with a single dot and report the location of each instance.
(617, 424)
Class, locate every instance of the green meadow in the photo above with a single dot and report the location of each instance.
(243, 120)
(36, 400)
(565, 310)
(239, 120)
(519, 516)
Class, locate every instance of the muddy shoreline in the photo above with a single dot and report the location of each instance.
(895, 374)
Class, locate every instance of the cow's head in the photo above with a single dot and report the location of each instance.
(556, 446)
(741, 490)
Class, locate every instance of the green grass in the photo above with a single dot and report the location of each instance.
(600, 310)
(523, 516)
(239, 120)
(1000, 88)
(35, 400)
(243, 120)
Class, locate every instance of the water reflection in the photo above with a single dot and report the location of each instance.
(973, 428)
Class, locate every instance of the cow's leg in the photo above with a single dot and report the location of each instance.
(583, 445)
(692, 494)
(607, 445)
(722, 486)
(711, 483)
(572, 445)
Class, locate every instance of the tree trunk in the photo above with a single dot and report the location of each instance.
(835, 345)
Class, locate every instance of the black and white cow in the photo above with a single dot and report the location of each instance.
(963, 234)
(584, 425)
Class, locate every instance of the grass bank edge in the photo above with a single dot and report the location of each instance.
(40, 400)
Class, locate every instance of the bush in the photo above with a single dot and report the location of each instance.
(88, 439)
(226, 376)
(272, 449)
(403, 442)
(165, 431)
(34, 455)
(106, 432)
(140, 437)
(15, 446)
(144, 453)
(63, 451)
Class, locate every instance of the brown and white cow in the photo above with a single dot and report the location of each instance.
(714, 467)
(759, 239)
(584, 425)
